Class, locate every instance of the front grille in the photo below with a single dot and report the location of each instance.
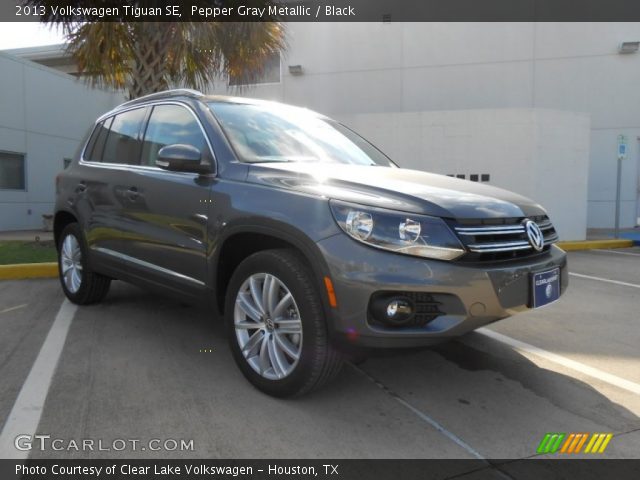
(502, 239)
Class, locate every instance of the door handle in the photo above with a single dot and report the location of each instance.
(81, 187)
(133, 194)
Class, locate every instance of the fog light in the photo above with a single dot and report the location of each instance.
(398, 308)
(392, 310)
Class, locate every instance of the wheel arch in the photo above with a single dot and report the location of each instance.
(60, 221)
(240, 242)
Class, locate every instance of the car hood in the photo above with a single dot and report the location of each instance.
(396, 188)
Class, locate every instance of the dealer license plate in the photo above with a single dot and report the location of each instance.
(545, 287)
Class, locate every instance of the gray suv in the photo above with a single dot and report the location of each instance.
(305, 237)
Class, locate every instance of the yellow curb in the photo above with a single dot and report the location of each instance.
(591, 244)
(28, 270)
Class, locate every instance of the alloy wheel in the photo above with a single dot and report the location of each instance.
(268, 326)
(71, 263)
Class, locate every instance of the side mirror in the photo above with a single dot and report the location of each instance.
(181, 158)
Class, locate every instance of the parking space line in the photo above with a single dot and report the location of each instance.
(450, 435)
(27, 410)
(607, 280)
(564, 361)
(11, 309)
(616, 252)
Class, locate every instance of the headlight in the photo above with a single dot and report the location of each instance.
(398, 232)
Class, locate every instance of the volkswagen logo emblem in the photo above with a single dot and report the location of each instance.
(269, 324)
(536, 239)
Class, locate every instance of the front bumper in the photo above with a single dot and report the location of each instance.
(480, 294)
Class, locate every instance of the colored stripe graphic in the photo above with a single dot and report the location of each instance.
(598, 443)
(581, 443)
(605, 443)
(573, 442)
(551, 442)
(569, 441)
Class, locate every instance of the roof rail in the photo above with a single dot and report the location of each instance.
(165, 93)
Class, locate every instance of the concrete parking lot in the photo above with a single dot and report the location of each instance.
(143, 367)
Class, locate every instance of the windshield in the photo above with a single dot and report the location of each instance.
(279, 133)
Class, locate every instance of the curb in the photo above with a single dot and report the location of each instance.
(28, 270)
(591, 244)
(635, 238)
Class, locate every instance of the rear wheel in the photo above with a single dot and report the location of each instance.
(277, 329)
(79, 283)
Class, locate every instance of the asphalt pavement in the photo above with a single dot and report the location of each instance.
(141, 367)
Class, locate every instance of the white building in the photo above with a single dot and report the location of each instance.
(536, 107)
(43, 116)
(367, 68)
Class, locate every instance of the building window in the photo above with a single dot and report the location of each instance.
(12, 171)
(270, 73)
(474, 177)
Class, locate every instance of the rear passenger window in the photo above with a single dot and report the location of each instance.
(95, 147)
(123, 143)
(168, 125)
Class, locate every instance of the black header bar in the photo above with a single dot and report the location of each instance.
(319, 469)
(323, 10)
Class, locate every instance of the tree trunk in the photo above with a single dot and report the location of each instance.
(150, 48)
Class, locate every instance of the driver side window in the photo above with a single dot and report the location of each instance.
(168, 125)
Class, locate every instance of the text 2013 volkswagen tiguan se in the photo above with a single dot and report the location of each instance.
(305, 236)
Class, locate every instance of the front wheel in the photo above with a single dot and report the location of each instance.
(79, 283)
(277, 328)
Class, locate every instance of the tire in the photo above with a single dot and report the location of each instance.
(81, 285)
(289, 354)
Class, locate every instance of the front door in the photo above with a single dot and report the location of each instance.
(168, 213)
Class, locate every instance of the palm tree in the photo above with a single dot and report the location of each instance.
(147, 57)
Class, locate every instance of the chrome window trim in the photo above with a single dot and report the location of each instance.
(118, 166)
(143, 263)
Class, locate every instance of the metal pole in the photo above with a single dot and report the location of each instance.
(617, 230)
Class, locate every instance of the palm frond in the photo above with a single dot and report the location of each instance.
(147, 57)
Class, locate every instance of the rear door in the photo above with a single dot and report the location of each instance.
(104, 179)
(168, 217)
